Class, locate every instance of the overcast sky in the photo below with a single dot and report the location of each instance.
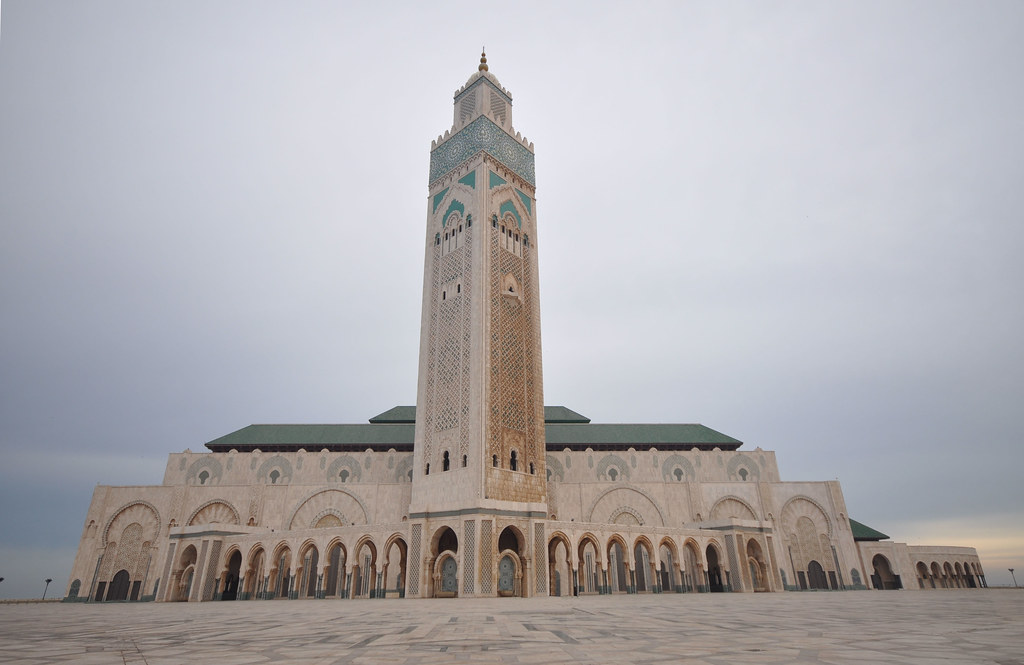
(799, 224)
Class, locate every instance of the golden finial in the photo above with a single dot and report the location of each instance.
(483, 60)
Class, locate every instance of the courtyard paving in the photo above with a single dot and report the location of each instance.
(855, 628)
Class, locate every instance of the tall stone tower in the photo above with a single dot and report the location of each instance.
(479, 461)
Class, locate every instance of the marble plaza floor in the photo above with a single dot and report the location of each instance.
(856, 628)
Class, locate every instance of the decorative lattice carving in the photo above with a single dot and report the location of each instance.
(676, 462)
(208, 462)
(255, 501)
(465, 302)
(177, 503)
(448, 362)
(347, 463)
(142, 512)
(129, 551)
(466, 105)
(540, 558)
(212, 570)
(414, 559)
(428, 411)
(486, 558)
(469, 557)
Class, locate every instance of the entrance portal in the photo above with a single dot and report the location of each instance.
(506, 575)
(450, 576)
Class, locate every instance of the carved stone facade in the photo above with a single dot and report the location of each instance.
(480, 490)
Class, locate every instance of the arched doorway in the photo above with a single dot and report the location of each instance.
(937, 580)
(590, 566)
(693, 579)
(230, 589)
(922, 576)
(816, 576)
(715, 576)
(883, 577)
(560, 580)
(394, 568)
(334, 587)
(118, 589)
(618, 566)
(307, 574)
(364, 570)
(645, 580)
(445, 575)
(186, 570)
(668, 566)
(510, 571)
(756, 567)
(254, 575)
(280, 576)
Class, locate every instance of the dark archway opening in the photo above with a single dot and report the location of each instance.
(231, 578)
(118, 589)
(714, 571)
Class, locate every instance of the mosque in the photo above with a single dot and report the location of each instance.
(480, 490)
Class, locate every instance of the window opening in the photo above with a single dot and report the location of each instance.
(274, 475)
(531, 468)
(613, 474)
(445, 463)
(343, 475)
(204, 476)
(678, 473)
(512, 461)
(464, 460)
(427, 471)
(494, 461)
(743, 474)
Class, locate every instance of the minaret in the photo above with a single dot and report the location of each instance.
(479, 463)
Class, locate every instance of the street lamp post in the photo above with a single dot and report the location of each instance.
(48, 580)
(1010, 569)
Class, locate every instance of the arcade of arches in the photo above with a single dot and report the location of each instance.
(480, 490)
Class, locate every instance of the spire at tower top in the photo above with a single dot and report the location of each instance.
(483, 60)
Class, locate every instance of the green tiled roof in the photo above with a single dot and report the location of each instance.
(663, 437)
(396, 427)
(864, 532)
(398, 414)
(316, 437)
(560, 414)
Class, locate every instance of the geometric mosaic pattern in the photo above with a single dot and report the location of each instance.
(482, 134)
